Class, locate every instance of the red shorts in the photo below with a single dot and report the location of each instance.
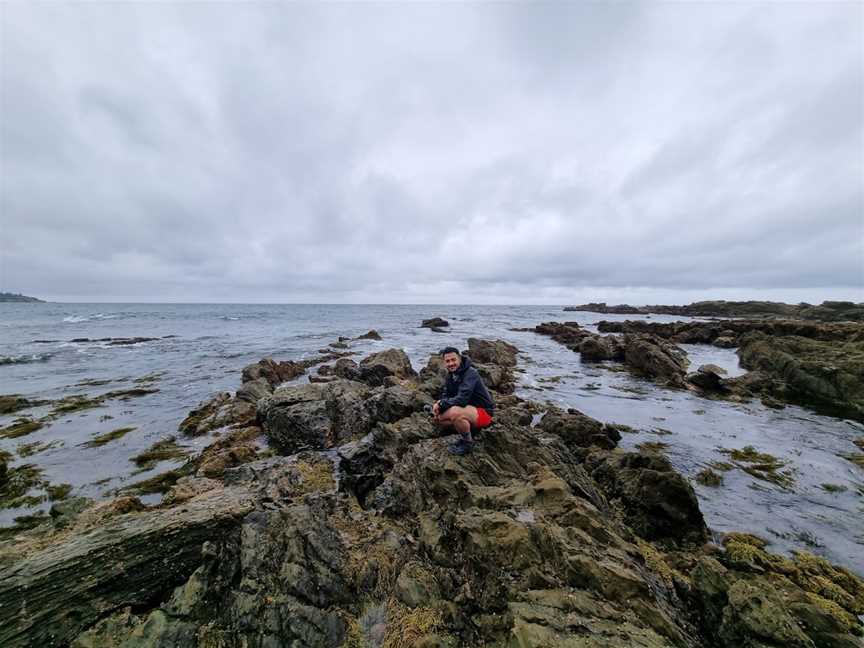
(483, 418)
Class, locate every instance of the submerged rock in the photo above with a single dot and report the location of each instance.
(435, 323)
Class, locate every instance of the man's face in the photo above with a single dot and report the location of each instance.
(452, 361)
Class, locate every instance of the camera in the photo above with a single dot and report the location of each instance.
(428, 410)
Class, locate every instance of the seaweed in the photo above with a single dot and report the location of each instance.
(160, 451)
(29, 449)
(316, 476)
(75, 403)
(760, 465)
(12, 403)
(58, 492)
(652, 446)
(160, 483)
(19, 481)
(834, 488)
(101, 439)
(21, 427)
(708, 477)
(855, 457)
(126, 394)
(23, 523)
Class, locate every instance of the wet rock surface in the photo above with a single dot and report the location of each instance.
(435, 323)
(546, 535)
(814, 364)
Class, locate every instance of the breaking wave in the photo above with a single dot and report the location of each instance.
(25, 359)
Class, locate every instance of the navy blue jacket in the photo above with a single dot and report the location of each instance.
(465, 387)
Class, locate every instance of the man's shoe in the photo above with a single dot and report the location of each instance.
(461, 447)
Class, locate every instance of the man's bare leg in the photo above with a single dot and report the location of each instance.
(461, 418)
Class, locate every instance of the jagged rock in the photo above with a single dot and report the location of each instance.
(655, 358)
(216, 464)
(659, 503)
(275, 373)
(220, 411)
(435, 322)
(378, 366)
(598, 348)
(497, 352)
(252, 391)
(397, 402)
(315, 415)
(53, 594)
(708, 378)
(346, 368)
(826, 376)
(725, 342)
(371, 335)
(570, 334)
(579, 430)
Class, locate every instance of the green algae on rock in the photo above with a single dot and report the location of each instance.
(827, 376)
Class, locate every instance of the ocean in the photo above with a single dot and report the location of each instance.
(51, 351)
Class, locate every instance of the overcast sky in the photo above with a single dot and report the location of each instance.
(484, 153)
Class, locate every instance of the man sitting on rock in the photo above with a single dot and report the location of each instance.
(465, 402)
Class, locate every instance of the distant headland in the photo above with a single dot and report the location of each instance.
(13, 297)
(828, 311)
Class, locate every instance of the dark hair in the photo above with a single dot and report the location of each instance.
(447, 350)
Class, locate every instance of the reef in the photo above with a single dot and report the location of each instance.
(827, 311)
(331, 514)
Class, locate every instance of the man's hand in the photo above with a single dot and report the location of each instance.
(436, 409)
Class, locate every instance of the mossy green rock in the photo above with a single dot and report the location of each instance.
(825, 375)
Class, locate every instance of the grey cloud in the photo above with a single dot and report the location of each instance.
(470, 153)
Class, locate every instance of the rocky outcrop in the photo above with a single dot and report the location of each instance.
(220, 411)
(825, 376)
(828, 311)
(376, 368)
(53, 593)
(435, 323)
(598, 348)
(645, 355)
(727, 332)
(658, 503)
(275, 373)
(369, 335)
(570, 334)
(544, 536)
(496, 352)
(708, 378)
(655, 358)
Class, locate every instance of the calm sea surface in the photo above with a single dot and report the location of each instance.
(202, 348)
